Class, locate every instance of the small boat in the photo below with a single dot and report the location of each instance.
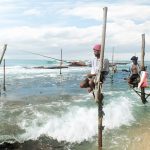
(53, 67)
(77, 63)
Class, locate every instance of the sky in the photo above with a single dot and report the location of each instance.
(75, 26)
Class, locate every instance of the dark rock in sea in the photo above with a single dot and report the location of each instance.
(43, 143)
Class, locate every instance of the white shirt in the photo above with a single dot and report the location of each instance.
(95, 65)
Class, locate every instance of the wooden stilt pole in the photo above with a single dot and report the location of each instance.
(1, 59)
(0, 91)
(113, 71)
(99, 95)
(4, 86)
(60, 61)
(4, 49)
(113, 56)
(143, 67)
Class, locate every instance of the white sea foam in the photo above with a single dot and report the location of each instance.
(115, 92)
(75, 126)
(20, 72)
(118, 113)
(80, 123)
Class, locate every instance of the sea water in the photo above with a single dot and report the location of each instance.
(52, 112)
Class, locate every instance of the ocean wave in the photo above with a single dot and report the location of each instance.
(23, 72)
(79, 123)
(118, 113)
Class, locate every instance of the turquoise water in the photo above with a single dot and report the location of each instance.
(42, 103)
(29, 62)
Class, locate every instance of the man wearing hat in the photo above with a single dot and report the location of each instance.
(89, 81)
(134, 70)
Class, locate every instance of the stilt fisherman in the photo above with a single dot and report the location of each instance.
(134, 78)
(89, 81)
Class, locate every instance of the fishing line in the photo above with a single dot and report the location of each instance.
(47, 56)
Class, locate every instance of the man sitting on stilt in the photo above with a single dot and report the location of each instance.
(134, 79)
(89, 81)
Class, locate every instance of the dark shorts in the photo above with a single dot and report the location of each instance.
(134, 78)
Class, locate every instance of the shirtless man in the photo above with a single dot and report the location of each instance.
(134, 78)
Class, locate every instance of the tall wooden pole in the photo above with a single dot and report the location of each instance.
(143, 67)
(112, 65)
(4, 86)
(113, 55)
(61, 60)
(143, 51)
(99, 95)
(4, 49)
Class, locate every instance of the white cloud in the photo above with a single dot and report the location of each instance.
(147, 2)
(115, 12)
(87, 12)
(125, 25)
(48, 39)
(32, 12)
(73, 40)
(129, 12)
(73, 37)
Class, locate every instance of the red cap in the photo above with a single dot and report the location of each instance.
(97, 47)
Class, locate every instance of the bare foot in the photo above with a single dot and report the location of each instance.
(89, 90)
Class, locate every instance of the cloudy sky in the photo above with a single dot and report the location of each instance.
(47, 26)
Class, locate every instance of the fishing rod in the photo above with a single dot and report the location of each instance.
(48, 57)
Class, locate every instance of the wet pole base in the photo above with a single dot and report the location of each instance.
(100, 120)
(143, 98)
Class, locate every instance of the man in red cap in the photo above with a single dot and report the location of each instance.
(89, 81)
